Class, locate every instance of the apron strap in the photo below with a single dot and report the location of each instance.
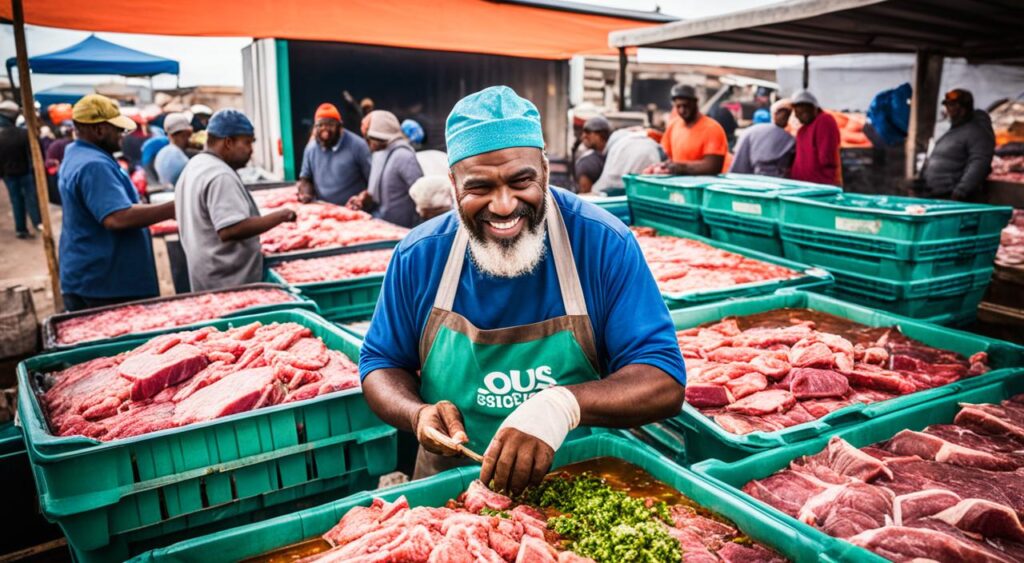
(561, 250)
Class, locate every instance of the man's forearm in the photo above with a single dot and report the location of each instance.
(139, 215)
(394, 395)
(635, 395)
(711, 164)
(253, 226)
(305, 187)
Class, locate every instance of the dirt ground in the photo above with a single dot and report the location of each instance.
(22, 262)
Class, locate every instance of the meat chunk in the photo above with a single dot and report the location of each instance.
(238, 392)
(478, 497)
(764, 402)
(705, 395)
(152, 371)
(811, 383)
(900, 543)
(927, 446)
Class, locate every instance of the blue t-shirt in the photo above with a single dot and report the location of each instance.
(94, 261)
(630, 320)
(339, 172)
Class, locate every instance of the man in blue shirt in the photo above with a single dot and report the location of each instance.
(526, 311)
(105, 252)
(336, 164)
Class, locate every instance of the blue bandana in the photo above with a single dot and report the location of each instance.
(492, 119)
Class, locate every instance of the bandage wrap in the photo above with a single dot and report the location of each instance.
(548, 416)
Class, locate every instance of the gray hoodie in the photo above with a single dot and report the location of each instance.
(961, 159)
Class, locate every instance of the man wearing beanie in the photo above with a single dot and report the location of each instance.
(335, 163)
(817, 143)
(218, 221)
(106, 255)
(393, 170)
(520, 318)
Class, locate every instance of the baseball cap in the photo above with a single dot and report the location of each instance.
(229, 123)
(684, 91)
(96, 108)
(959, 96)
(200, 109)
(176, 123)
(597, 123)
(805, 97)
(7, 106)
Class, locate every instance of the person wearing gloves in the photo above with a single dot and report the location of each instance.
(171, 160)
(767, 148)
(335, 163)
(393, 170)
(510, 324)
(106, 255)
(962, 158)
(218, 221)
(816, 157)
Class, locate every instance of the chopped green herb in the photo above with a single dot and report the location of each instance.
(486, 511)
(605, 524)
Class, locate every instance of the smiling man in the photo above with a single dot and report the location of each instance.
(521, 317)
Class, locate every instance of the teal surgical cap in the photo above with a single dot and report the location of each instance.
(492, 119)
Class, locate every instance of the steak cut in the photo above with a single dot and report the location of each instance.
(811, 383)
(900, 543)
(764, 402)
(928, 446)
(703, 395)
(984, 517)
(238, 392)
(151, 371)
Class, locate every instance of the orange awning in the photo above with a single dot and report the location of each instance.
(472, 26)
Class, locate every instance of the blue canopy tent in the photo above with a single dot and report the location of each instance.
(93, 55)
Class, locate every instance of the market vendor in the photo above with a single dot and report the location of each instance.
(521, 317)
(218, 221)
(694, 143)
(962, 158)
(106, 255)
(335, 163)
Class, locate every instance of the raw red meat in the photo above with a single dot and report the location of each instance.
(811, 383)
(193, 376)
(180, 311)
(682, 265)
(324, 225)
(478, 497)
(702, 395)
(339, 267)
(153, 370)
(942, 494)
(764, 402)
(733, 552)
(746, 385)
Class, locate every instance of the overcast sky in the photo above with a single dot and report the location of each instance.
(218, 60)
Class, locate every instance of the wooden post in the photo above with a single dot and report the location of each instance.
(807, 71)
(38, 170)
(623, 62)
(923, 107)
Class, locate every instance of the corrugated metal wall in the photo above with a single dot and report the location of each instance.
(422, 85)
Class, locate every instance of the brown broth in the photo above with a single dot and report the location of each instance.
(292, 552)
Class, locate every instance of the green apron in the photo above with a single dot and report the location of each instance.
(488, 373)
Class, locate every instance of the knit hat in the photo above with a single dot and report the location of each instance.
(229, 123)
(492, 119)
(805, 97)
(176, 123)
(413, 130)
(327, 111)
(383, 126)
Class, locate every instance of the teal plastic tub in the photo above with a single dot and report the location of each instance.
(616, 205)
(958, 295)
(732, 476)
(338, 300)
(257, 539)
(356, 328)
(893, 219)
(182, 477)
(747, 213)
(50, 342)
(886, 258)
(705, 439)
(668, 201)
(314, 252)
(809, 278)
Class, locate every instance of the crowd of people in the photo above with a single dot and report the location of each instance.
(106, 255)
(697, 144)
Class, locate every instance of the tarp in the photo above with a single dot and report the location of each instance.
(469, 26)
(64, 94)
(93, 55)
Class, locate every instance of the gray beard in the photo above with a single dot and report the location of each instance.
(501, 261)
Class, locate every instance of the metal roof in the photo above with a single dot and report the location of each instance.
(978, 30)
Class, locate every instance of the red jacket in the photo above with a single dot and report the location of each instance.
(817, 152)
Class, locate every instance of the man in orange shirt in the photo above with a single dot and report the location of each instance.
(695, 144)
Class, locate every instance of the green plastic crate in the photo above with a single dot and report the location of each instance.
(314, 252)
(747, 213)
(732, 476)
(887, 217)
(616, 205)
(704, 439)
(50, 324)
(191, 474)
(250, 541)
(741, 179)
(812, 278)
(356, 328)
(668, 201)
(958, 294)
